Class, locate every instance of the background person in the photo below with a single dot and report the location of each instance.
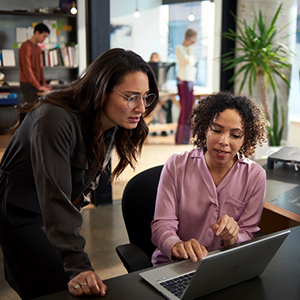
(212, 196)
(32, 79)
(53, 161)
(154, 57)
(160, 115)
(185, 83)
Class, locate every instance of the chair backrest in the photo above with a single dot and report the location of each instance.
(138, 204)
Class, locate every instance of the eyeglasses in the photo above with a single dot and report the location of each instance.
(134, 100)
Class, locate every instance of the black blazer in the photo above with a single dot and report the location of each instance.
(44, 169)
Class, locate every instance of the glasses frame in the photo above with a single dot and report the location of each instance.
(134, 96)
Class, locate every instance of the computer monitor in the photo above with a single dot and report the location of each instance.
(163, 72)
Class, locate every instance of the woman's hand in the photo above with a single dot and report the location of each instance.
(190, 248)
(87, 283)
(227, 229)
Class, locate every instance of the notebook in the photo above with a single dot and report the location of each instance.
(219, 269)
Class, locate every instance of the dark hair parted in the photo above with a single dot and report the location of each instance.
(253, 119)
(86, 98)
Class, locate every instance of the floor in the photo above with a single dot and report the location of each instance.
(103, 225)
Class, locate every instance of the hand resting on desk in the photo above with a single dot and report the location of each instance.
(87, 283)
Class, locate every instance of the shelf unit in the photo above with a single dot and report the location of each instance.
(29, 13)
(9, 21)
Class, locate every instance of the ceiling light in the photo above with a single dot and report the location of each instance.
(73, 9)
(136, 14)
(191, 17)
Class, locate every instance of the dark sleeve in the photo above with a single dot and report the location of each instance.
(52, 142)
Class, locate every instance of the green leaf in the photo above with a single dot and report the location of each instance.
(258, 53)
(275, 117)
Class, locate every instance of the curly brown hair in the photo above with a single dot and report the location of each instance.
(253, 119)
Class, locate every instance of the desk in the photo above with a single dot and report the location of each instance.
(280, 280)
(286, 154)
(282, 202)
(163, 98)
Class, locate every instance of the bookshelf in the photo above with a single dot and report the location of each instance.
(10, 20)
(65, 27)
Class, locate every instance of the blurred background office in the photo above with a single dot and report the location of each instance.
(147, 26)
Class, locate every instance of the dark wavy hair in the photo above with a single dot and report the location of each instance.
(253, 119)
(86, 98)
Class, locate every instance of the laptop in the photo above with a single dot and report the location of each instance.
(187, 280)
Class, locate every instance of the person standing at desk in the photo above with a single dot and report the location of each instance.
(212, 196)
(55, 158)
(185, 83)
(32, 79)
(154, 64)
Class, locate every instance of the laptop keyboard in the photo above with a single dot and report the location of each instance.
(178, 285)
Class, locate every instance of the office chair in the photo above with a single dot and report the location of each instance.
(138, 204)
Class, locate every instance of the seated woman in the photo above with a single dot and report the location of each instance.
(212, 196)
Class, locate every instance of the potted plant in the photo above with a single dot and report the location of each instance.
(259, 57)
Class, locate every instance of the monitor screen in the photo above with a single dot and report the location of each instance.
(163, 72)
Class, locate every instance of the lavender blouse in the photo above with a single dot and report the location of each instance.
(188, 202)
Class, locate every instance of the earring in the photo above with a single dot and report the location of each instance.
(242, 150)
(204, 143)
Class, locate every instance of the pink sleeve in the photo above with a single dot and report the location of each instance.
(165, 223)
(251, 215)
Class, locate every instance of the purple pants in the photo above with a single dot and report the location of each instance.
(185, 90)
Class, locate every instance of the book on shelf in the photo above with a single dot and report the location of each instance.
(7, 95)
(9, 101)
(65, 56)
(7, 98)
(70, 54)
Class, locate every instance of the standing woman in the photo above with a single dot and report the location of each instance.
(61, 146)
(213, 195)
(185, 83)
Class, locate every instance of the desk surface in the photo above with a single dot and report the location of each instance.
(280, 280)
(283, 191)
